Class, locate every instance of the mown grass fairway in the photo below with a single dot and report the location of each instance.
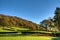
(30, 38)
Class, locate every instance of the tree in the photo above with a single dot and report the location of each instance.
(48, 23)
(57, 18)
(45, 24)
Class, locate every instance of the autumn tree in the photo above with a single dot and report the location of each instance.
(13, 21)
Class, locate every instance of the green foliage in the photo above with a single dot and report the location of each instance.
(53, 23)
(57, 18)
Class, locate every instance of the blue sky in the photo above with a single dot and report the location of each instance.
(32, 10)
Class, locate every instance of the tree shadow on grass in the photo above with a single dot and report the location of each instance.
(56, 38)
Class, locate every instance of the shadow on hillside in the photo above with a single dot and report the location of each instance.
(57, 38)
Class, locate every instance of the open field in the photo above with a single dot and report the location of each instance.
(20, 36)
(1, 30)
(30, 38)
(12, 29)
(17, 28)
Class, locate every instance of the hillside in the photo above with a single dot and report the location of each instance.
(13, 21)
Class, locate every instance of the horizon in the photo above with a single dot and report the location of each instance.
(32, 10)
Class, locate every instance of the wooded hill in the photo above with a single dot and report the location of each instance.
(13, 21)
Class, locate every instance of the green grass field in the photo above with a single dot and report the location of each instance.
(18, 36)
(2, 30)
(11, 29)
(17, 28)
(30, 38)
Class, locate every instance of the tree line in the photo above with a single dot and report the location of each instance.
(13, 21)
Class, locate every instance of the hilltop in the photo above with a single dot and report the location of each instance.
(13, 21)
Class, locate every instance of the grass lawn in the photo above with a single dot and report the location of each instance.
(1, 30)
(30, 38)
(23, 37)
(41, 31)
(17, 28)
(11, 29)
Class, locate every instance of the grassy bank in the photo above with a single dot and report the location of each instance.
(30, 38)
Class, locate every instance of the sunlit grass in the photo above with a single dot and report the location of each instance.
(28, 38)
(17, 28)
(10, 29)
(1, 30)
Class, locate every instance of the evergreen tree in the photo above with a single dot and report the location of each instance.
(57, 18)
